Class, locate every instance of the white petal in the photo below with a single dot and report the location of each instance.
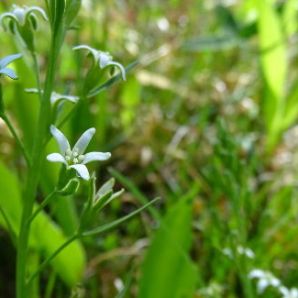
(120, 66)
(94, 52)
(8, 15)
(38, 9)
(9, 59)
(275, 282)
(60, 138)
(262, 285)
(84, 141)
(82, 171)
(56, 157)
(56, 97)
(284, 291)
(104, 59)
(256, 273)
(93, 156)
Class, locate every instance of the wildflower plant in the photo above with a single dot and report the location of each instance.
(22, 22)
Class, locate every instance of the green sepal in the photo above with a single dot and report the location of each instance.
(70, 188)
(106, 200)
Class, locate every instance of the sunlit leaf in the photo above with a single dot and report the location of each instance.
(168, 272)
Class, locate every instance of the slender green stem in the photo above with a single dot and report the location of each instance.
(50, 285)
(52, 256)
(37, 76)
(34, 173)
(16, 137)
(42, 205)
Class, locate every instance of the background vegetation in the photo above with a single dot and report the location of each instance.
(206, 120)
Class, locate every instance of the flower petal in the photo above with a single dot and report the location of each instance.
(93, 156)
(9, 73)
(121, 68)
(37, 9)
(56, 157)
(84, 141)
(8, 59)
(104, 59)
(262, 285)
(92, 51)
(60, 138)
(7, 15)
(56, 98)
(82, 171)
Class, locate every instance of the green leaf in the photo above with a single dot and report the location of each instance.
(130, 100)
(290, 16)
(273, 63)
(72, 9)
(168, 271)
(291, 112)
(46, 236)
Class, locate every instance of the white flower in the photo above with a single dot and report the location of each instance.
(75, 158)
(21, 16)
(55, 97)
(247, 252)
(103, 59)
(288, 293)
(265, 279)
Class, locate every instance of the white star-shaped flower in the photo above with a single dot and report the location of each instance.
(103, 59)
(265, 279)
(76, 158)
(288, 293)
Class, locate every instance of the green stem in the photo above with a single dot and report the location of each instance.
(34, 173)
(42, 205)
(52, 256)
(37, 77)
(16, 137)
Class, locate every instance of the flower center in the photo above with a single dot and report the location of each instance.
(73, 157)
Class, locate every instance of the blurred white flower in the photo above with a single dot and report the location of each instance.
(265, 279)
(288, 293)
(240, 250)
(21, 16)
(103, 59)
(55, 97)
(75, 158)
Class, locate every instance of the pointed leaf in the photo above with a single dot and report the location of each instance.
(168, 272)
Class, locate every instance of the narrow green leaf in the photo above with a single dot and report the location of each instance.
(291, 112)
(273, 63)
(290, 17)
(72, 9)
(168, 271)
(117, 222)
